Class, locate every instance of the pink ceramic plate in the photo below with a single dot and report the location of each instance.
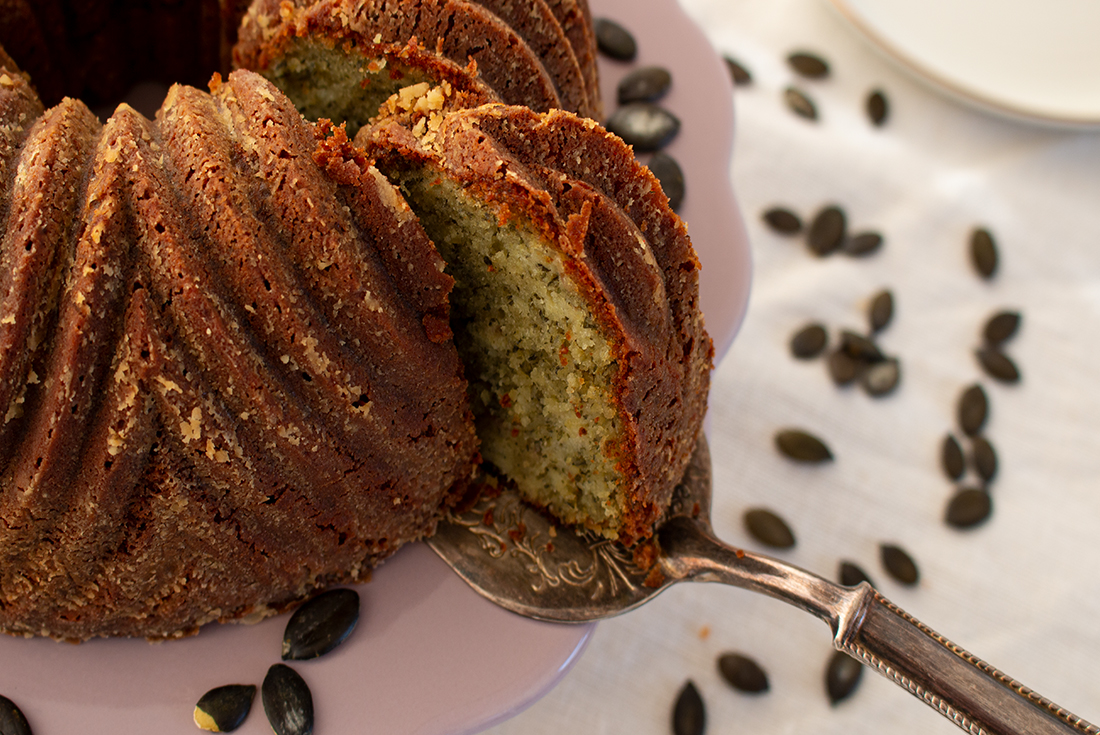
(429, 657)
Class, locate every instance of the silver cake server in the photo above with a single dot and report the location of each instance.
(515, 556)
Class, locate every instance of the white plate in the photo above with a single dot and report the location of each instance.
(1032, 59)
(429, 657)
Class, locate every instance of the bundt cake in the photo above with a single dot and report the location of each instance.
(227, 372)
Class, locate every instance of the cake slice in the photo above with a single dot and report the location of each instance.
(575, 304)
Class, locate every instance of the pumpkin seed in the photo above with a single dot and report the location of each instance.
(862, 244)
(768, 528)
(740, 75)
(689, 715)
(808, 65)
(12, 720)
(827, 230)
(860, 348)
(614, 40)
(799, 103)
(643, 125)
(809, 341)
(968, 508)
(998, 365)
(287, 700)
(646, 84)
(670, 176)
(742, 673)
(983, 252)
(878, 109)
(973, 410)
(842, 676)
(843, 368)
(223, 708)
(881, 378)
(802, 446)
(984, 457)
(321, 624)
(1001, 327)
(899, 564)
(881, 310)
(852, 574)
(783, 221)
(951, 458)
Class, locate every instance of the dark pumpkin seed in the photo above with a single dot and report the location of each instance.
(643, 125)
(881, 378)
(808, 65)
(646, 84)
(670, 176)
(843, 368)
(689, 715)
(614, 40)
(799, 103)
(968, 508)
(899, 564)
(223, 708)
(852, 574)
(12, 721)
(1001, 327)
(983, 252)
(321, 624)
(768, 528)
(740, 75)
(951, 458)
(973, 410)
(860, 348)
(802, 446)
(742, 673)
(878, 109)
(881, 310)
(842, 676)
(862, 244)
(984, 457)
(998, 365)
(287, 700)
(827, 230)
(809, 341)
(783, 221)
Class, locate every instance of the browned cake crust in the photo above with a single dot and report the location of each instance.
(454, 29)
(225, 371)
(576, 22)
(535, 23)
(623, 247)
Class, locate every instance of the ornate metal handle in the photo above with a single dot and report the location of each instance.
(971, 693)
(968, 691)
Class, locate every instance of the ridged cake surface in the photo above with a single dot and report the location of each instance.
(225, 367)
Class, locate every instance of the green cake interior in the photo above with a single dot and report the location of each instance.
(329, 83)
(540, 370)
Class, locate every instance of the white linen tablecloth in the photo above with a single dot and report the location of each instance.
(1021, 591)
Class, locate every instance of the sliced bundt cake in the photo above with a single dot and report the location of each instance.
(225, 369)
(227, 374)
(575, 307)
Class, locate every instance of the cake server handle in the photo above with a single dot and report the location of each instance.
(971, 693)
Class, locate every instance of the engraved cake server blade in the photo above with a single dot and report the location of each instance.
(515, 556)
